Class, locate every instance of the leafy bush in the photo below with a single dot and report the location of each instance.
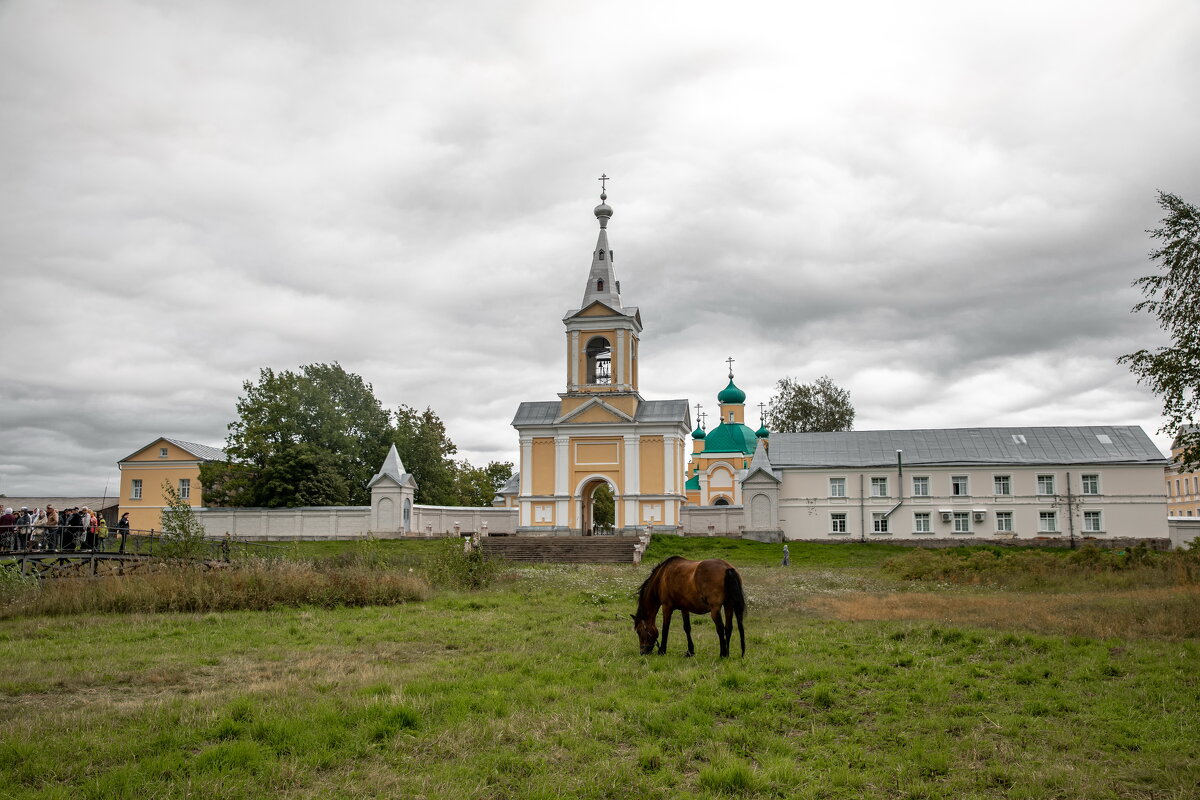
(183, 536)
(454, 566)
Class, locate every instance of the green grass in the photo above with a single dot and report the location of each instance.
(533, 689)
(744, 552)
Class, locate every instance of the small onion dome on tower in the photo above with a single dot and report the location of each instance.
(731, 394)
(603, 211)
(762, 433)
(698, 433)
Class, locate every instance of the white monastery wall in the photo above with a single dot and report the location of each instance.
(347, 522)
(711, 520)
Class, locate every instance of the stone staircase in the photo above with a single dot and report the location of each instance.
(562, 549)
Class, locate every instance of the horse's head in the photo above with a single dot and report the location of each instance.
(647, 633)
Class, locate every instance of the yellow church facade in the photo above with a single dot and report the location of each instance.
(601, 432)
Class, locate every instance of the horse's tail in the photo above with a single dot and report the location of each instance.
(736, 600)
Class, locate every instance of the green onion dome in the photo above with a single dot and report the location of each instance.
(762, 433)
(698, 433)
(730, 438)
(731, 395)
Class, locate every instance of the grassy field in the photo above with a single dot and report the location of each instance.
(856, 683)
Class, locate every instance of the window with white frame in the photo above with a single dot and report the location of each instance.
(1002, 484)
(879, 487)
(962, 521)
(837, 523)
(958, 486)
(837, 487)
(920, 486)
(185, 488)
(1045, 484)
(135, 489)
(921, 522)
(1091, 484)
(1092, 522)
(880, 523)
(162, 452)
(1004, 521)
(1047, 522)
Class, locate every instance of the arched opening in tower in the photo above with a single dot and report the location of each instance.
(599, 361)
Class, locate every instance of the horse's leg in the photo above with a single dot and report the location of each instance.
(687, 628)
(716, 618)
(662, 645)
(728, 627)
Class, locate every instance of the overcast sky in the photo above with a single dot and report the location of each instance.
(940, 205)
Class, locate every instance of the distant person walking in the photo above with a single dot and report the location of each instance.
(123, 529)
(787, 557)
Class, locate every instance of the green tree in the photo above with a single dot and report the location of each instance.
(477, 486)
(426, 451)
(312, 437)
(604, 507)
(182, 534)
(1173, 295)
(807, 407)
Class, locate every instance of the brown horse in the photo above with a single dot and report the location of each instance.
(693, 587)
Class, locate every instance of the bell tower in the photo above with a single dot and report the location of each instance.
(602, 334)
(600, 460)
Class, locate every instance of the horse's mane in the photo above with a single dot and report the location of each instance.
(653, 572)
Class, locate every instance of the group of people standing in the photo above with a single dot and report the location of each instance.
(50, 529)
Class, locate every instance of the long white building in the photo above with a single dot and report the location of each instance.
(1024, 483)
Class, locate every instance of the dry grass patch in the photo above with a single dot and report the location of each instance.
(1166, 612)
(255, 585)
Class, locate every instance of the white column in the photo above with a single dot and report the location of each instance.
(620, 373)
(633, 484)
(670, 474)
(573, 359)
(633, 464)
(562, 451)
(526, 466)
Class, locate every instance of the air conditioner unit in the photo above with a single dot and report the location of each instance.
(979, 514)
(947, 515)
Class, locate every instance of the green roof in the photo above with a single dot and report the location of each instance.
(698, 433)
(730, 438)
(692, 484)
(731, 394)
(763, 433)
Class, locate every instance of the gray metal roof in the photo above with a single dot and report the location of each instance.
(393, 468)
(649, 411)
(664, 411)
(1127, 444)
(201, 451)
(537, 413)
(513, 485)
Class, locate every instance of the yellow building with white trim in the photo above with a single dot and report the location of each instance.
(144, 471)
(600, 431)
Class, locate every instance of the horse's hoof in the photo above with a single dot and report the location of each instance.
(688, 654)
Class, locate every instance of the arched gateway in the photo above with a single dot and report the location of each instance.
(600, 431)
